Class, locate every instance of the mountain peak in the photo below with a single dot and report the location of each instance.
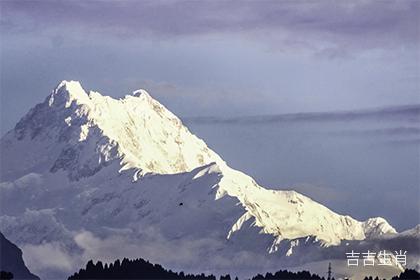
(94, 130)
(70, 85)
(79, 152)
(66, 92)
(141, 93)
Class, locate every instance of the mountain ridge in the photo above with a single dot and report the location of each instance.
(87, 111)
(79, 141)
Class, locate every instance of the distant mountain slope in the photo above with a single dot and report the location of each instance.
(11, 260)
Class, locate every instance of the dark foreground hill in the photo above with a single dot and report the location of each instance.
(11, 261)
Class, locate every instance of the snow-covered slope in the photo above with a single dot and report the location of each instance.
(84, 161)
(138, 130)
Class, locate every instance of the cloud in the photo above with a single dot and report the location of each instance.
(23, 182)
(208, 254)
(328, 28)
(51, 256)
(408, 113)
(148, 243)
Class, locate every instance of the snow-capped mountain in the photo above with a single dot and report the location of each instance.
(89, 176)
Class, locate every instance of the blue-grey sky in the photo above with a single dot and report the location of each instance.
(214, 57)
(236, 58)
(361, 163)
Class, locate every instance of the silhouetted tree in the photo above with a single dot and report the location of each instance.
(134, 269)
(407, 274)
(370, 278)
(141, 269)
(4, 275)
(284, 274)
(225, 277)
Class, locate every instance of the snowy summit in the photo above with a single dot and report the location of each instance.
(85, 162)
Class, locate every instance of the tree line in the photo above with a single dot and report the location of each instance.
(141, 269)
